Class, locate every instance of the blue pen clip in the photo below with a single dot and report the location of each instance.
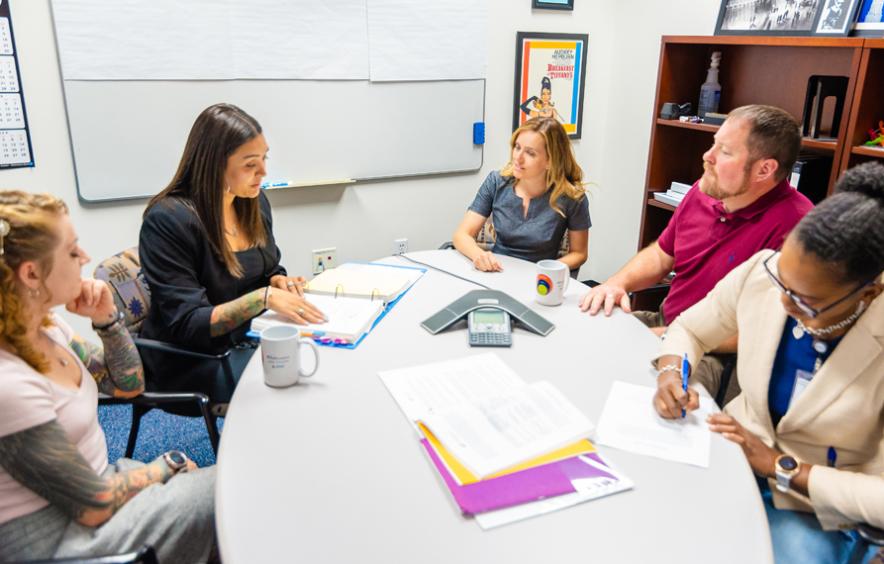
(685, 369)
(832, 457)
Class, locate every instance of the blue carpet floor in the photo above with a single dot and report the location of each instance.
(159, 432)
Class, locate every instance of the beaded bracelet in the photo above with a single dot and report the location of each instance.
(668, 368)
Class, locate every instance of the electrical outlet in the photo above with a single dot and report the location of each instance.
(323, 259)
(400, 246)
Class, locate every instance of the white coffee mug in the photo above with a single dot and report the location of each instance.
(281, 356)
(552, 281)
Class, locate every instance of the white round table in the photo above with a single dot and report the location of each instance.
(330, 470)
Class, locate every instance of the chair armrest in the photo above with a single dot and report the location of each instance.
(871, 534)
(152, 344)
(446, 245)
(154, 398)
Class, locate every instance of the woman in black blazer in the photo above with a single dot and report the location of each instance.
(208, 253)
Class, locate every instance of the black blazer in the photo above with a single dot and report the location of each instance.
(187, 279)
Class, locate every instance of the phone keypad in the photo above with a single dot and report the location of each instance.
(491, 340)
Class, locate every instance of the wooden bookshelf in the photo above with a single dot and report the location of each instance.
(868, 104)
(757, 70)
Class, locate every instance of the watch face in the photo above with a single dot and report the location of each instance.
(788, 463)
(177, 458)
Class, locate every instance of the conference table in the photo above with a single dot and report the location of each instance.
(329, 470)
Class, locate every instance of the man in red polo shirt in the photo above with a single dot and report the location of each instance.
(742, 204)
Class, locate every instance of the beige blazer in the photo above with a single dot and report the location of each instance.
(843, 406)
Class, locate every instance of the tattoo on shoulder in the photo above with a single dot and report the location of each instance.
(116, 367)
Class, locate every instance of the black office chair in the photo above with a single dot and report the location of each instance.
(144, 555)
(871, 535)
(132, 296)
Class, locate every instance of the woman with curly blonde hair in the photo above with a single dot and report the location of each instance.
(58, 495)
(531, 202)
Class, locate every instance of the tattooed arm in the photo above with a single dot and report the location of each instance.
(44, 460)
(116, 367)
(228, 316)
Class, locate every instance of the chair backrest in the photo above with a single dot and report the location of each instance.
(486, 238)
(123, 274)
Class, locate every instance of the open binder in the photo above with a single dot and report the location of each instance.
(351, 315)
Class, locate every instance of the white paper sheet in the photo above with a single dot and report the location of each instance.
(348, 318)
(421, 390)
(630, 422)
(427, 39)
(212, 39)
(144, 39)
(301, 39)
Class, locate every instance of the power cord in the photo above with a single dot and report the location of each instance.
(408, 258)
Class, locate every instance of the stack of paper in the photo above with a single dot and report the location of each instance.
(498, 443)
(364, 280)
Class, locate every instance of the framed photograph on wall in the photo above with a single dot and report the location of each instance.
(550, 79)
(836, 17)
(870, 18)
(552, 4)
(767, 17)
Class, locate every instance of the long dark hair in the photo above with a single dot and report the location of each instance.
(199, 181)
(847, 229)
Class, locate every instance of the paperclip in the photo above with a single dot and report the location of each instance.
(339, 288)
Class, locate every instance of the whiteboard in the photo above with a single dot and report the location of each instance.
(127, 136)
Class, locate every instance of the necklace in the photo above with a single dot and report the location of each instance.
(232, 232)
(799, 330)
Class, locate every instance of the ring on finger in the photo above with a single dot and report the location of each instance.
(290, 284)
(301, 311)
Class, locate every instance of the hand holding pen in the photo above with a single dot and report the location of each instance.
(674, 399)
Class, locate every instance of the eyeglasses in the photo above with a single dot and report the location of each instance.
(799, 302)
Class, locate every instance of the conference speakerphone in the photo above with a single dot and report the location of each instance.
(478, 299)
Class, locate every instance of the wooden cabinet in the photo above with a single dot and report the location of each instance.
(758, 70)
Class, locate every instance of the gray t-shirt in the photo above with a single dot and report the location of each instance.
(532, 238)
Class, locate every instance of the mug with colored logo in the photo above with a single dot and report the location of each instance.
(552, 281)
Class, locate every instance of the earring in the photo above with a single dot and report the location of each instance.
(228, 188)
(33, 292)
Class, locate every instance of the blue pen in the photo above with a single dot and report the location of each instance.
(685, 368)
(832, 456)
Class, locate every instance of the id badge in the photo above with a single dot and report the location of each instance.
(802, 381)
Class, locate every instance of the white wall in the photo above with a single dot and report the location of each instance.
(362, 220)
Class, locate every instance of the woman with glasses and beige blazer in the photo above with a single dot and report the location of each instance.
(810, 417)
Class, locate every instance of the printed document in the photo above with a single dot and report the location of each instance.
(630, 422)
(484, 414)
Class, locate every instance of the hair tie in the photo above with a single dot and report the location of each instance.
(5, 228)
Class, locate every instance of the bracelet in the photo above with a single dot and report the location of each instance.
(668, 368)
(117, 319)
(266, 296)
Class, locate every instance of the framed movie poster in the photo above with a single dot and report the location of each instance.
(550, 79)
(768, 17)
(870, 19)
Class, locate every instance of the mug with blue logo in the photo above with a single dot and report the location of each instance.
(552, 281)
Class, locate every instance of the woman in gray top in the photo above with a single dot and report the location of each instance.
(531, 201)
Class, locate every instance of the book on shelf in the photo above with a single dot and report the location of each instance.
(679, 188)
(668, 198)
(373, 281)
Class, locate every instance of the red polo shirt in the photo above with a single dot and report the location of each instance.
(707, 242)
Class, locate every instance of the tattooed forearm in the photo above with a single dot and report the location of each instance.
(117, 367)
(227, 317)
(44, 460)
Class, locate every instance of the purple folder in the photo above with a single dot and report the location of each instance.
(520, 487)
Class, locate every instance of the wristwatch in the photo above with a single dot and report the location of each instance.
(176, 460)
(786, 467)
